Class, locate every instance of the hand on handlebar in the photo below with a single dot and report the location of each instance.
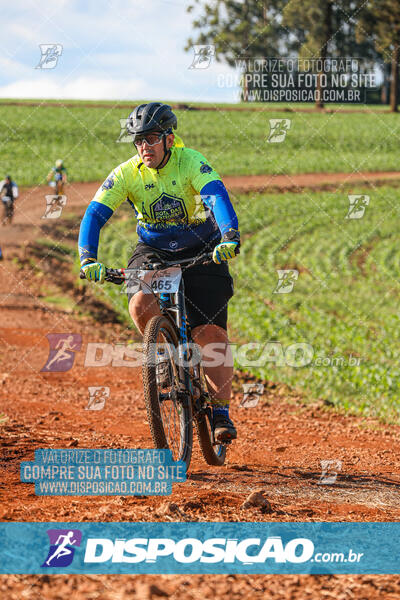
(98, 272)
(94, 271)
(228, 247)
(225, 251)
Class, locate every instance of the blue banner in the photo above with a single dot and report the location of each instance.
(191, 548)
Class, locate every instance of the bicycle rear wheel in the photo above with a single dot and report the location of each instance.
(168, 410)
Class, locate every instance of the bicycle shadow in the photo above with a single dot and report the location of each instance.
(295, 475)
(349, 480)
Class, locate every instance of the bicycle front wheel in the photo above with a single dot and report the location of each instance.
(213, 453)
(168, 410)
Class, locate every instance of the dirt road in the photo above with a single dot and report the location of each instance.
(281, 444)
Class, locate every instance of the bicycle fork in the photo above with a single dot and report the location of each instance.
(183, 351)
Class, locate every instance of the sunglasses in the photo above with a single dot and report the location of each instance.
(151, 139)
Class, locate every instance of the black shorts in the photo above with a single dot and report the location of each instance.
(208, 288)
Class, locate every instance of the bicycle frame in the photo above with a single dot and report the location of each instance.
(167, 306)
(191, 390)
(179, 307)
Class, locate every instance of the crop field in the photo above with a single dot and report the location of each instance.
(344, 303)
(248, 106)
(31, 138)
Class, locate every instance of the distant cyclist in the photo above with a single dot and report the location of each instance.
(182, 209)
(57, 177)
(8, 194)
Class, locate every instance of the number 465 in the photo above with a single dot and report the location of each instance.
(161, 285)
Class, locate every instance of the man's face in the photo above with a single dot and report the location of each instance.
(153, 155)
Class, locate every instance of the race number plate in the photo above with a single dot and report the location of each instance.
(165, 281)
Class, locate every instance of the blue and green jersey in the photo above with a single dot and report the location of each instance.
(181, 206)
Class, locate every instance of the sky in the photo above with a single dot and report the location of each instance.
(111, 49)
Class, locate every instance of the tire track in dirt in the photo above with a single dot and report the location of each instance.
(280, 447)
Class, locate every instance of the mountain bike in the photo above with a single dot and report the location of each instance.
(58, 185)
(175, 387)
(8, 209)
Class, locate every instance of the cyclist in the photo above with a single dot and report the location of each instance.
(8, 193)
(57, 177)
(182, 209)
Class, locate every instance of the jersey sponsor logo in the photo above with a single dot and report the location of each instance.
(168, 208)
(148, 186)
(108, 184)
(205, 168)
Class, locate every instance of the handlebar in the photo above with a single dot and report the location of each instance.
(119, 276)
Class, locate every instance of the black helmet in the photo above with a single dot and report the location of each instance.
(153, 116)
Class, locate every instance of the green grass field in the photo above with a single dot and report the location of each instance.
(287, 106)
(344, 304)
(31, 138)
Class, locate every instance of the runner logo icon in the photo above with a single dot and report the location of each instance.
(278, 129)
(203, 54)
(286, 281)
(61, 552)
(358, 204)
(54, 206)
(124, 136)
(98, 396)
(50, 54)
(62, 351)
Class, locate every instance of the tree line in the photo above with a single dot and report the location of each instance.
(244, 30)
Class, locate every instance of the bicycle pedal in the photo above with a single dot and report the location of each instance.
(224, 443)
